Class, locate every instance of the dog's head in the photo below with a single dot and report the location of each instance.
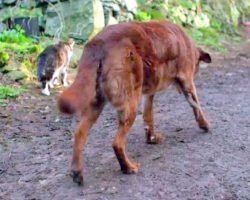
(202, 56)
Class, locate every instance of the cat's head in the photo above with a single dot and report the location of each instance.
(67, 45)
(70, 43)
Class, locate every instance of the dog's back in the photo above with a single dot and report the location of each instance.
(109, 71)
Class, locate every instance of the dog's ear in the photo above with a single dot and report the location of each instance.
(204, 56)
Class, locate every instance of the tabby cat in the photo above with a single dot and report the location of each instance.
(53, 64)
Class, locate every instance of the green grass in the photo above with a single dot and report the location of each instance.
(207, 37)
(16, 47)
(8, 92)
(23, 48)
(209, 23)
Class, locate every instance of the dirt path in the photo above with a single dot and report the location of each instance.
(36, 146)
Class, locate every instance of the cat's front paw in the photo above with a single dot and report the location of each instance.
(51, 85)
(56, 82)
(46, 92)
(65, 84)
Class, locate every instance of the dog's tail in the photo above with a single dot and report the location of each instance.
(82, 93)
(69, 101)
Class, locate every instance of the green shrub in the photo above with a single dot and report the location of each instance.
(29, 69)
(4, 58)
(204, 20)
(7, 92)
(11, 12)
(23, 51)
(15, 35)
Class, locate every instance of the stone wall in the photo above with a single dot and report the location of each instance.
(78, 19)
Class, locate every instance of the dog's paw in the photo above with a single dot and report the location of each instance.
(155, 138)
(131, 168)
(204, 125)
(77, 177)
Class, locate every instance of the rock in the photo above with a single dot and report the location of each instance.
(1, 5)
(77, 52)
(178, 129)
(5, 13)
(28, 4)
(7, 68)
(156, 157)
(98, 16)
(57, 119)
(203, 65)
(112, 190)
(9, 2)
(131, 5)
(77, 19)
(2, 25)
(52, 1)
(16, 75)
(43, 182)
(46, 110)
(119, 11)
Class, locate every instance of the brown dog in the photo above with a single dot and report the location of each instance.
(120, 64)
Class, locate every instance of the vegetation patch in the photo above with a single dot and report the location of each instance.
(18, 53)
(10, 92)
(208, 22)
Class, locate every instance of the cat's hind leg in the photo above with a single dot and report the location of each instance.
(56, 81)
(65, 77)
(51, 83)
(55, 76)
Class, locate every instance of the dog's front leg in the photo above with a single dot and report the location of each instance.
(80, 139)
(148, 117)
(192, 98)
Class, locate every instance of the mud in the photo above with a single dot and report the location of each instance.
(36, 144)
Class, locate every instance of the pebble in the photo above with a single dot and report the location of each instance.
(112, 190)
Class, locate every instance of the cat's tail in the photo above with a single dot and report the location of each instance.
(40, 69)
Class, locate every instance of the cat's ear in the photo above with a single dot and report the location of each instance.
(71, 43)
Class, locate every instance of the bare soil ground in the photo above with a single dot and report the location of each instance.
(36, 145)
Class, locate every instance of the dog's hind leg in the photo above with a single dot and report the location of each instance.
(80, 139)
(151, 136)
(188, 88)
(126, 117)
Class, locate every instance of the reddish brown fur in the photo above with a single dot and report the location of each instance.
(118, 65)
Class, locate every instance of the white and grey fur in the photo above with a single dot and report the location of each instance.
(53, 64)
